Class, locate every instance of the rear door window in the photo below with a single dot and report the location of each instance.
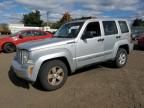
(27, 33)
(39, 33)
(110, 27)
(123, 27)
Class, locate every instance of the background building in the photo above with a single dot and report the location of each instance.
(17, 27)
(13, 28)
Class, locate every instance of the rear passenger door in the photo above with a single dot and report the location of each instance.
(110, 32)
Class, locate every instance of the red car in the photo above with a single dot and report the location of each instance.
(140, 41)
(8, 44)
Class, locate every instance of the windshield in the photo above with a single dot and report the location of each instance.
(69, 30)
(15, 34)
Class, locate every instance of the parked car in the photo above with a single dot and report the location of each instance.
(8, 44)
(140, 41)
(137, 31)
(75, 45)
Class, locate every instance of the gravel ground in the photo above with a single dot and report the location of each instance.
(97, 86)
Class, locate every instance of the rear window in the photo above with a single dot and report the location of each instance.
(110, 27)
(123, 27)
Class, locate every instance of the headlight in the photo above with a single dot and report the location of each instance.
(23, 56)
(27, 58)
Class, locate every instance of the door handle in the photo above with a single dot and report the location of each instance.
(118, 37)
(100, 40)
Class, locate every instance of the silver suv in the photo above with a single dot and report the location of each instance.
(75, 45)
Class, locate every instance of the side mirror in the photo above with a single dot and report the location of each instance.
(86, 35)
(20, 36)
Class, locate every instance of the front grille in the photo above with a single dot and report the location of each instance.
(19, 56)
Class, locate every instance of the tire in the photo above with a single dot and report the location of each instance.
(121, 58)
(53, 75)
(9, 48)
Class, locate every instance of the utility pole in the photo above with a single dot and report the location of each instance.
(47, 13)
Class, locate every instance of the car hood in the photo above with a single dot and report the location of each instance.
(36, 45)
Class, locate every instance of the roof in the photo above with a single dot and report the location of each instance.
(99, 19)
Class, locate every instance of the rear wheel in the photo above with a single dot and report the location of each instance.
(53, 75)
(121, 58)
(9, 47)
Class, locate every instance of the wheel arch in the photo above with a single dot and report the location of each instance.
(125, 46)
(63, 59)
(121, 44)
(6, 43)
(4, 50)
(57, 56)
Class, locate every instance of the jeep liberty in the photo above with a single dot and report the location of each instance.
(76, 44)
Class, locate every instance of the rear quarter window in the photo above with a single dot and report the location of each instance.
(123, 26)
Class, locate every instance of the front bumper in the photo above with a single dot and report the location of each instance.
(22, 71)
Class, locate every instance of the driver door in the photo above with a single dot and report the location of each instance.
(90, 48)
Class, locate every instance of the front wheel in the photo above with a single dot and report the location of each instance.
(121, 58)
(53, 75)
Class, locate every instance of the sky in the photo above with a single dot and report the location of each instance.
(11, 11)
